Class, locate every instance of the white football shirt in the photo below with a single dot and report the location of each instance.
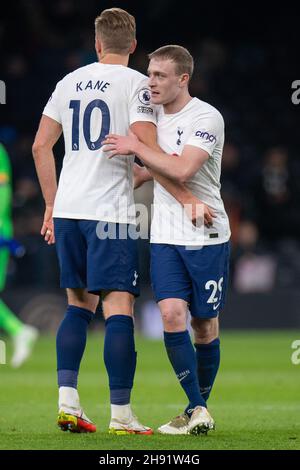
(201, 125)
(89, 103)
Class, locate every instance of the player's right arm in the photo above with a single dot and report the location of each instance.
(146, 133)
(47, 135)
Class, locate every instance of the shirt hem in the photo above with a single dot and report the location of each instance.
(69, 215)
(214, 241)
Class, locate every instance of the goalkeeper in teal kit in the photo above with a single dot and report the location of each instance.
(23, 335)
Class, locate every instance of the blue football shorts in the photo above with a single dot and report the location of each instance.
(89, 261)
(198, 276)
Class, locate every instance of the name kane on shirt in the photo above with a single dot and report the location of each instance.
(90, 85)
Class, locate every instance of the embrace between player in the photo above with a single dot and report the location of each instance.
(182, 274)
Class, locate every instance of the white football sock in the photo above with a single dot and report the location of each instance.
(68, 398)
(121, 412)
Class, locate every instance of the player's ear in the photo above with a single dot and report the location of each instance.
(133, 46)
(184, 79)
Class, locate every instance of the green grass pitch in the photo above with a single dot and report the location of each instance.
(255, 401)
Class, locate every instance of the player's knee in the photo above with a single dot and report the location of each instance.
(82, 299)
(205, 330)
(173, 319)
(117, 303)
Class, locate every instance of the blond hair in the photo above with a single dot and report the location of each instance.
(116, 29)
(184, 62)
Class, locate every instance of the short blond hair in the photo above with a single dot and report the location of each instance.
(116, 29)
(183, 60)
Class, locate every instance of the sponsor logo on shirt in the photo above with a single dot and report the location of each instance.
(206, 135)
(143, 109)
(145, 96)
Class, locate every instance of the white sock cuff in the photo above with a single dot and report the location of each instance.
(68, 397)
(121, 411)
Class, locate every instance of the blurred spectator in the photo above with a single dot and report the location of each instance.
(276, 197)
(231, 191)
(254, 269)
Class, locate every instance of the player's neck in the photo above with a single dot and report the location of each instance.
(178, 104)
(114, 59)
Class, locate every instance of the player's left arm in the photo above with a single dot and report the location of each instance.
(141, 175)
(47, 135)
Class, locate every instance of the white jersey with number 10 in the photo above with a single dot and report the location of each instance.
(89, 103)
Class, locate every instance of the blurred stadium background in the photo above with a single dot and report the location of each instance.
(246, 61)
(245, 65)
